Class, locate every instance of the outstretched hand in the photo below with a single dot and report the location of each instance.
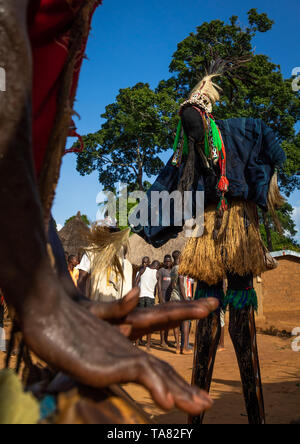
(135, 323)
(97, 353)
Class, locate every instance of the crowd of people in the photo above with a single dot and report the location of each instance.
(159, 283)
(162, 283)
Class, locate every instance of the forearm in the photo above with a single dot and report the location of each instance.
(21, 225)
(160, 298)
(82, 282)
(159, 290)
(182, 288)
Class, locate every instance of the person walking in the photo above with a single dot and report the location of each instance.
(179, 294)
(164, 285)
(145, 264)
(148, 281)
(74, 272)
(185, 327)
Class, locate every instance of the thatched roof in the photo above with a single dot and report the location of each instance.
(73, 235)
(138, 248)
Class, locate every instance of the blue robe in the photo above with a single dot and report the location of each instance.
(253, 154)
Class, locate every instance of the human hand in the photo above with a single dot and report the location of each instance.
(135, 323)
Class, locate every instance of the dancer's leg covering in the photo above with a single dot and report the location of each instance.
(243, 334)
(207, 340)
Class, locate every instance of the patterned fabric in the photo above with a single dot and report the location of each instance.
(50, 23)
(241, 298)
(253, 153)
(199, 99)
(206, 291)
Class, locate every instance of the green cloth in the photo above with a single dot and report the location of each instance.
(216, 139)
(241, 298)
(185, 151)
(211, 292)
(16, 406)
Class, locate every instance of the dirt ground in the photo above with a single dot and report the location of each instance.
(279, 320)
(280, 368)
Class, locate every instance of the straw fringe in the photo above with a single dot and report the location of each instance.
(238, 249)
(209, 88)
(275, 201)
(106, 249)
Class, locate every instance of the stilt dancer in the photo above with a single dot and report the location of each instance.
(234, 163)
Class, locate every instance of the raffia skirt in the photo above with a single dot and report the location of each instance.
(238, 249)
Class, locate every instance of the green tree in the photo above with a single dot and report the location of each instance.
(275, 241)
(138, 128)
(266, 95)
(84, 219)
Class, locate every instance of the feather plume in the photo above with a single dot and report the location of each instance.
(208, 88)
(219, 67)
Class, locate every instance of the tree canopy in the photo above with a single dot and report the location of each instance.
(265, 94)
(128, 146)
(84, 219)
(140, 124)
(274, 240)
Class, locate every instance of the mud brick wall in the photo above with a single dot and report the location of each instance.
(281, 287)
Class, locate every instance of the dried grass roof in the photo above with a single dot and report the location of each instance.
(138, 248)
(74, 235)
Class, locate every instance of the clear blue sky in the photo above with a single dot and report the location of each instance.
(133, 41)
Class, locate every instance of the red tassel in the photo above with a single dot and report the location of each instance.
(223, 184)
(224, 205)
(73, 133)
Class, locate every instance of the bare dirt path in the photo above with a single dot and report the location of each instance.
(280, 367)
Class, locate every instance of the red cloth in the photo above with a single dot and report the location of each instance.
(50, 23)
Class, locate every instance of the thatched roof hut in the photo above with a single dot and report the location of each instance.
(138, 248)
(73, 235)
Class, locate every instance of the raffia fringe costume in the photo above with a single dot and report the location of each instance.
(238, 249)
(235, 167)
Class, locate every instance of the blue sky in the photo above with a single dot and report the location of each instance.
(133, 41)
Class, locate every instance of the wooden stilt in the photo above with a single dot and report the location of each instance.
(243, 334)
(207, 340)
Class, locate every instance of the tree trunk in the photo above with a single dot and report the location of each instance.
(140, 169)
(141, 186)
(268, 232)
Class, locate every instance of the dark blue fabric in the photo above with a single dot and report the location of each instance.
(253, 153)
(168, 180)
